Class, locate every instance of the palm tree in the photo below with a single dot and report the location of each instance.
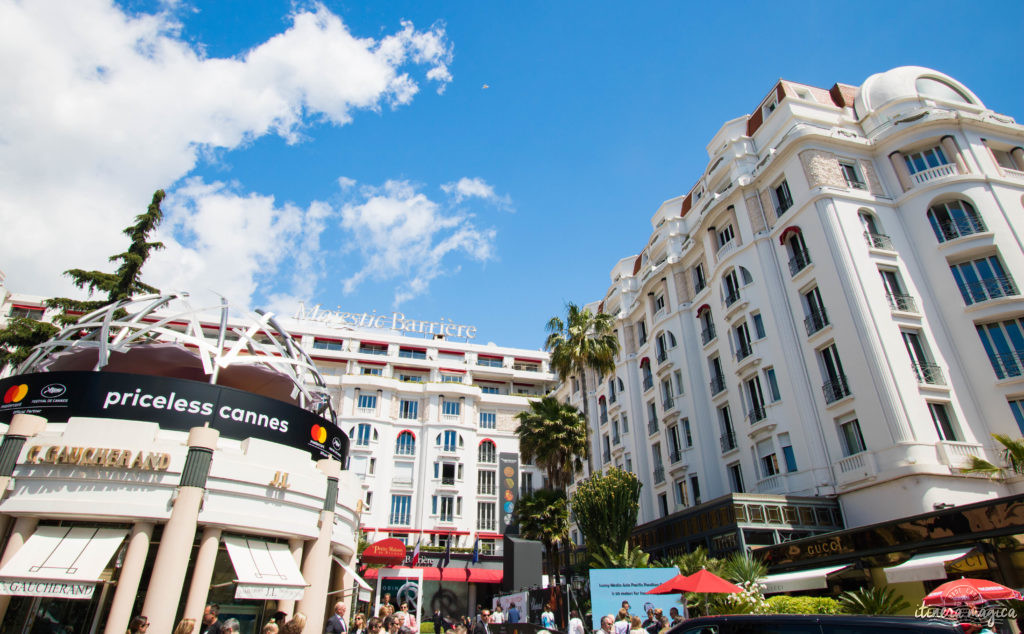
(873, 600)
(553, 436)
(584, 341)
(544, 516)
(741, 568)
(1013, 454)
(692, 562)
(626, 558)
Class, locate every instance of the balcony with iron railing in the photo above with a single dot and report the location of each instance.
(878, 241)
(728, 440)
(799, 262)
(933, 173)
(835, 389)
(616, 439)
(717, 384)
(661, 356)
(606, 456)
(902, 302)
(815, 321)
(988, 288)
(659, 474)
(707, 335)
(929, 373)
(743, 351)
(757, 414)
(960, 227)
(699, 285)
(604, 417)
(648, 382)
(675, 456)
(732, 297)
(1007, 364)
(668, 403)
(652, 426)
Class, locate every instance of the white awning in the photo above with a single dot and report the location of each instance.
(800, 580)
(359, 580)
(61, 561)
(924, 566)
(265, 569)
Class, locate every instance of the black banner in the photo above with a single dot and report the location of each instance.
(177, 404)
(508, 475)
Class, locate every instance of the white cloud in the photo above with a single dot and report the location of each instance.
(403, 235)
(345, 183)
(235, 243)
(475, 188)
(100, 108)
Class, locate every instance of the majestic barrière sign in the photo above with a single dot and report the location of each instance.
(394, 321)
(177, 404)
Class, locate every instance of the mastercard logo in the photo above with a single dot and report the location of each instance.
(318, 433)
(15, 393)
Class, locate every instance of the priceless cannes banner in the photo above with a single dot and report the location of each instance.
(177, 404)
(610, 587)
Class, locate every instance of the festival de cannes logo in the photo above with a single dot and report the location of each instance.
(318, 433)
(53, 390)
(15, 393)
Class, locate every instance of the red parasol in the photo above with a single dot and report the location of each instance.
(708, 582)
(672, 586)
(969, 591)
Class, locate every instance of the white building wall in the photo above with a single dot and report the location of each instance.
(906, 466)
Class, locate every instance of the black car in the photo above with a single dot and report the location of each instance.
(812, 624)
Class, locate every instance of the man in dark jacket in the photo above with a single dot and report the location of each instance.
(480, 627)
(439, 622)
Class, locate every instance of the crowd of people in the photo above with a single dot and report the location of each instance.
(279, 623)
(626, 623)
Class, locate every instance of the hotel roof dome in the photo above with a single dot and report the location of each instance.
(910, 83)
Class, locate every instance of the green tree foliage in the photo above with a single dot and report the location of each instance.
(625, 558)
(544, 516)
(873, 600)
(21, 334)
(693, 561)
(126, 281)
(19, 337)
(605, 507)
(583, 341)
(554, 437)
(742, 568)
(1013, 455)
(784, 604)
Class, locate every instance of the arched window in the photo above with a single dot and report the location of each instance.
(361, 434)
(645, 370)
(938, 89)
(406, 444)
(954, 219)
(603, 405)
(487, 452)
(873, 231)
(799, 258)
(707, 324)
(450, 440)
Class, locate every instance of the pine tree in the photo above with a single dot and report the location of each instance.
(21, 334)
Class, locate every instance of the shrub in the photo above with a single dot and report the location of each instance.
(782, 604)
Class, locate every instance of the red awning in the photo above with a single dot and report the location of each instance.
(458, 352)
(413, 348)
(490, 356)
(373, 343)
(465, 575)
(527, 360)
(373, 363)
(453, 370)
(785, 233)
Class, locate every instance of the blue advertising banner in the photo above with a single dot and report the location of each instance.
(610, 587)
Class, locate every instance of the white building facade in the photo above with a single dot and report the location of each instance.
(429, 419)
(832, 310)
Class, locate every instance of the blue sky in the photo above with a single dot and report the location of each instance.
(348, 154)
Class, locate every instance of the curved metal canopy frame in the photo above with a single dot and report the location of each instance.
(170, 318)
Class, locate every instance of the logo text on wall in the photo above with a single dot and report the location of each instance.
(394, 321)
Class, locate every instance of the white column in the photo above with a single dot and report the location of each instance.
(202, 572)
(316, 568)
(23, 529)
(295, 546)
(128, 582)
